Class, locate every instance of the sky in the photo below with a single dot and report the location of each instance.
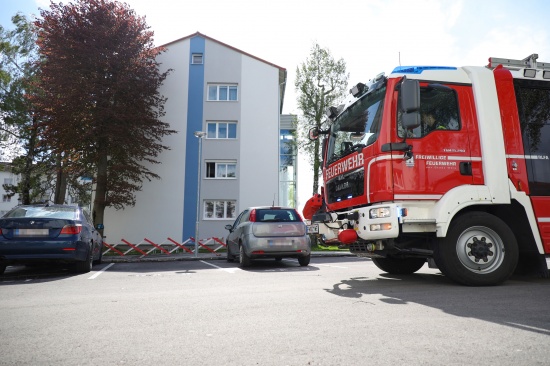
(371, 36)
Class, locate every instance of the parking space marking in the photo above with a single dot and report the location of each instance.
(317, 264)
(100, 272)
(228, 270)
(329, 265)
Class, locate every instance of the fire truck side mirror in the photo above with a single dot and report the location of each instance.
(313, 134)
(409, 102)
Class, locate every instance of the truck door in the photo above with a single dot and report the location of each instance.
(445, 147)
(533, 98)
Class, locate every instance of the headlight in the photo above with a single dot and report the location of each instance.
(378, 213)
(380, 227)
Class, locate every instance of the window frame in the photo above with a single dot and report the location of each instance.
(451, 124)
(197, 55)
(217, 133)
(220, 87)
(214, 202)
(218, 164)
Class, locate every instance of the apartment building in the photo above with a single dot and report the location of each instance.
(230, 151)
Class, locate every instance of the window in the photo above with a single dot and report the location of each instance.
(196, 58)
(438, 111)
(277, 215)
(220, 170)
(6, 198)
(221, 130)
(533, 98)
(8, 181)
(222, 92)
(219, 210)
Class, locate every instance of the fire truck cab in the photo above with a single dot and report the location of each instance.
(449, 165)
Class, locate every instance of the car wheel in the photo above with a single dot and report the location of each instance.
(244, 260)
(304, 261)
(278, 259)
(479, 250)
(98, 260)
(399, 265)
(85, 266)
(230, 257)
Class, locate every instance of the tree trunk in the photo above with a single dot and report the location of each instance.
(100, 191)
(60, 183)
(27, 171)
(316, 167)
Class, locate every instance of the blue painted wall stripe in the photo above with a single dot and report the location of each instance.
(195, 94)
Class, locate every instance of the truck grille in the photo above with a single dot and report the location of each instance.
(347, 186)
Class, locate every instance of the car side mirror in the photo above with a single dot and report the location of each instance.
(229, 227)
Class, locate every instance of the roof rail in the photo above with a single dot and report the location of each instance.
(530, 62)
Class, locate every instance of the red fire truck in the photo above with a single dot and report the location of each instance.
(445, 165)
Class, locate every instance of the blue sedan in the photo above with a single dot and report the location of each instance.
(33, 234)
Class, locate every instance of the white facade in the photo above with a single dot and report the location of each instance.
(240, 154)
(7, 177)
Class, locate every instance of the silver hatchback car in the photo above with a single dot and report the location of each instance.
(268, 232)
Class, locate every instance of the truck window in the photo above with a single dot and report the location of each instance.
(534, 114)
(438, 112)
(358, 126)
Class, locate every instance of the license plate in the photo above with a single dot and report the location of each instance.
(313, 229)
(280, 242)
(31, 232)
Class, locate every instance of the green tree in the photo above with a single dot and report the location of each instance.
(321, 82)
(99, 104)
(19, 137)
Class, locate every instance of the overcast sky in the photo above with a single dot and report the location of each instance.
(372, 36)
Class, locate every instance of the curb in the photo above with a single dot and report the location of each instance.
(203, 256)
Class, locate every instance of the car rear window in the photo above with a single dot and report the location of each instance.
(67, 213)
(277, 215)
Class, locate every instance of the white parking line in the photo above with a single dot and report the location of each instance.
(316, 264)
(229, 270)
(328, 265)
(100, 272)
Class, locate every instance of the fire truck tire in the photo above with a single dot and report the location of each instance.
(399, 265)
(479, 250)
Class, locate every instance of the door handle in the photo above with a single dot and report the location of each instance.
(466, 168)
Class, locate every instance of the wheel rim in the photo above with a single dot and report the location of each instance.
(480, 249)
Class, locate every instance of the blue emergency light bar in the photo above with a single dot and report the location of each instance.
(419, 69)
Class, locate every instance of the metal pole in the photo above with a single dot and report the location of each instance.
(199, 135)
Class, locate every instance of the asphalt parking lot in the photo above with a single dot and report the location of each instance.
(337, 310)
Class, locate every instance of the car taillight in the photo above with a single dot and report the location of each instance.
(71, 229)
(252, 217)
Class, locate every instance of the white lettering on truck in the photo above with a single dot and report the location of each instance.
(350, 163)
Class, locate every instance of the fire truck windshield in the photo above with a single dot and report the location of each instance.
(357, 126)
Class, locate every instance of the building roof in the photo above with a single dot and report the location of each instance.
(282, 70)
(198, 34)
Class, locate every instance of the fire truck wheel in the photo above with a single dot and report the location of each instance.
(399, 265)
(479, 250)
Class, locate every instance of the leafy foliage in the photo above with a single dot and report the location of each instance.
(19, 132)
(100, 105)
(321, 82)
